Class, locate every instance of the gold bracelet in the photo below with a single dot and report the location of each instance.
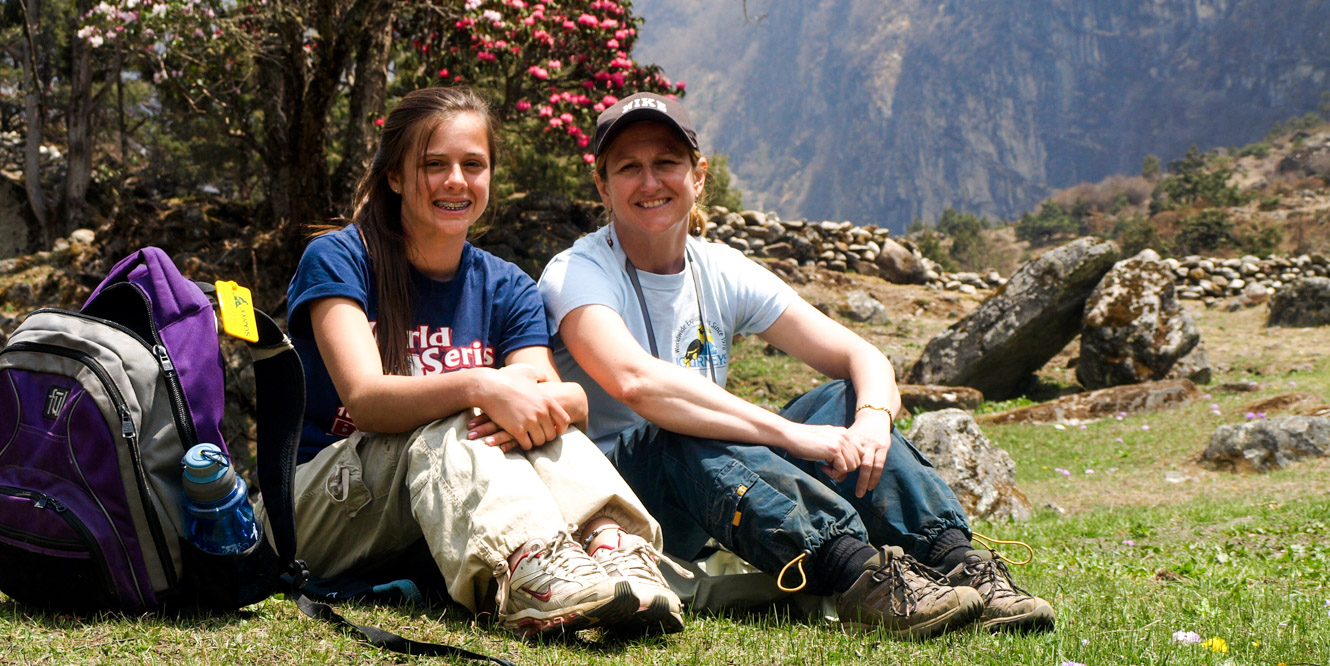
(861, 408)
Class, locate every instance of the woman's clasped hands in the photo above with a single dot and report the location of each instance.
(517, 410)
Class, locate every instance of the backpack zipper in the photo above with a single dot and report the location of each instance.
(44, 501)
(130, 435)
(183, 424)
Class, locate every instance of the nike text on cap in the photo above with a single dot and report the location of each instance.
(642, 106)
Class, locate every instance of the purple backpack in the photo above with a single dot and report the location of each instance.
(97, 408)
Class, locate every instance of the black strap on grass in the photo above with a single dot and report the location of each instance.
(386, 639)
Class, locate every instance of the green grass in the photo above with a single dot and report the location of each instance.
(1148, 544)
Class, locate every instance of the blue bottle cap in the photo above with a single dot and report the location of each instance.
(208, 474)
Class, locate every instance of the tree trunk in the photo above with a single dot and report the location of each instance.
(79, 121)
(38, 234)
(368, 89)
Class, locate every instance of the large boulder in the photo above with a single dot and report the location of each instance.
(1264, 445)
(1095, 405)
(982, 475)
(1304, 303)
(1022, 325)
(1134, 329)
(898, 264)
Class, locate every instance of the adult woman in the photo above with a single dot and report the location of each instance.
(645, 314)
(406, 328)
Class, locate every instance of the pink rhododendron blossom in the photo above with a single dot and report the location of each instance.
(555, 122)
(523, 105)
(583, 140)
(609, 100)
(546, 111)
(588, 158)
(566, 117)
(612, 44)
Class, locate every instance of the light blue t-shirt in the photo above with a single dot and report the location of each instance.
(739, 297)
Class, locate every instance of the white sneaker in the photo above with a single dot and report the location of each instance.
(635, 560)
(556, 587)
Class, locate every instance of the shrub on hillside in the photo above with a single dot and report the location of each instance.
(969, 247)
(1049, 223)
(1192, 180)
(1136, 233)
(719, 191)
(1261, 242)
(929, 243)
(1150, 167)
(1204, 232)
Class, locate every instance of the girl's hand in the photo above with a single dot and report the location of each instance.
(518, 412)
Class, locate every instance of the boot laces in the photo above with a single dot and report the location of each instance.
(915, 583)
(996, 576)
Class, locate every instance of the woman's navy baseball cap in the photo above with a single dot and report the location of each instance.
(642, 106)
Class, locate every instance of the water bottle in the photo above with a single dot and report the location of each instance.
(218, 516)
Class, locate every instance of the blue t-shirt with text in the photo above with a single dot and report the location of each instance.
(488, 310)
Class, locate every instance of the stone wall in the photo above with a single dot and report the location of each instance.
(528, 230)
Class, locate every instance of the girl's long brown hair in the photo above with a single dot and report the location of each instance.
(405, 136)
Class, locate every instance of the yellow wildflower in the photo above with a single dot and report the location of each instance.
(1217, 644)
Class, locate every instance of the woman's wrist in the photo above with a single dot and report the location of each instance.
(876, 408)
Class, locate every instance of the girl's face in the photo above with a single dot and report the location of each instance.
(445, 187)
(650, 182)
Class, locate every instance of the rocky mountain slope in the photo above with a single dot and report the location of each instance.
(882, 111)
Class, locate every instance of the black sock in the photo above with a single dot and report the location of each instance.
(840, 561)
(948, 550)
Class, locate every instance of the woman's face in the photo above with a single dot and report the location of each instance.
(445, 187)
(650, 182)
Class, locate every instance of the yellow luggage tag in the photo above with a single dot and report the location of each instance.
(237, 310)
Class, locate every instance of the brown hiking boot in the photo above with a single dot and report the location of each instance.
(1005, 605)
(905, 598)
